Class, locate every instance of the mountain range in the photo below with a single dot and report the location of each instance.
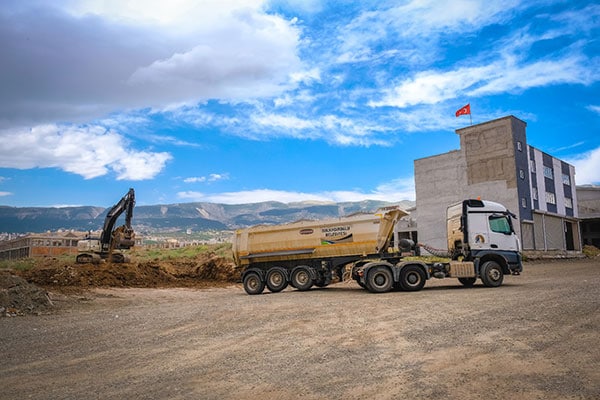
(180, 217)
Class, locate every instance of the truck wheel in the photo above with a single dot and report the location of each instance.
(276, 280)
(467, 282)
(380, 280)
(412, 278)
(301, 279)
(491, 274)
(253, 284)
(324, 279)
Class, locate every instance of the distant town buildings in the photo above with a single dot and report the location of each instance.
(52, 244)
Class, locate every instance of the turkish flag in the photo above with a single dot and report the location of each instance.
(464, 111)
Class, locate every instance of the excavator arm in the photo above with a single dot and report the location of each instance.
(123, 236)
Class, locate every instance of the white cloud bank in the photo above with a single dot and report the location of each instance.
(80, 60)
(89, 151)
(587, 167)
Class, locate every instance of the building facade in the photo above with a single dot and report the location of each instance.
(495, 163)
(40, 245)
(589, 213)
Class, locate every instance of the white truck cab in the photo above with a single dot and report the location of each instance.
(480, 229)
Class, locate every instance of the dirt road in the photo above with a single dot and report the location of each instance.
(535, 337)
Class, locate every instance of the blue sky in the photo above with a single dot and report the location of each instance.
(239, 101)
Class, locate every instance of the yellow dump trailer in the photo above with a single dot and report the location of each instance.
(304, 253)
(340, 237)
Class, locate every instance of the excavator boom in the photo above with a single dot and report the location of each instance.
(122, 237)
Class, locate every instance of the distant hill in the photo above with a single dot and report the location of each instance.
(180, 217)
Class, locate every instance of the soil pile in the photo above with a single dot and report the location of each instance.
(19, 297)
(203, 271)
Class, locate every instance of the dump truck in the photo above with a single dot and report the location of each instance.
(481, 244)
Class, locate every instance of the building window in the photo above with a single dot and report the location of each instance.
(566, 179)
(519, 146)
(534, 193)
(532, 166)
(568, 202)
(522, 174)
(523, 202)
(548, 173)
(550, 198)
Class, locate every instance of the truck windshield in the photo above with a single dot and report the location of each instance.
(500, 224)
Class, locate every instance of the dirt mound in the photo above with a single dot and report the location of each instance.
(19, 297)
(203, 271)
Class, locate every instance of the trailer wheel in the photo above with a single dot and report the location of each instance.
(380, 280)
(301, 279)
(253, 284)
(491, 274)
(412, 278)
(467, 282)
(276, 280)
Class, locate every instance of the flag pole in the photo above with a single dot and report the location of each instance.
(471, 118)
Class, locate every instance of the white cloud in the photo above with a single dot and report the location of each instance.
(257, 58)
(2, 194)
(396, 190)
(330, 128)
(595, 109)
(432, 87)
(210, 178)
(414, 28)
(85, 59)
(587, 167)
(283, 121)
(89, 151)
(509, 77)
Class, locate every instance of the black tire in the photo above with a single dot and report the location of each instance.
(491, 274)
(412, 278)
(467, 282)
(301, 279)
(380, 280)
(276, 280)
(253, 284)
(324, 279)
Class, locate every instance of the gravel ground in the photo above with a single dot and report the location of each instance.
(535, 337)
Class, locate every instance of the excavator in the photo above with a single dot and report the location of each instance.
(111, 241)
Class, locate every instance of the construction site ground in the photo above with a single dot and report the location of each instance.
(166, 331)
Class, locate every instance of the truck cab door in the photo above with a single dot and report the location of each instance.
(501, 233)
(491, 231)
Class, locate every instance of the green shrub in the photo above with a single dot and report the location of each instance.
(20, 265)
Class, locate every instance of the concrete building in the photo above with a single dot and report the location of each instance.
(589, 214)
(495, 162)
(40, 245)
